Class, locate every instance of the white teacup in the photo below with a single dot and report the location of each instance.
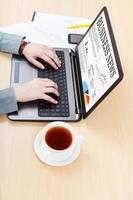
(56, 153)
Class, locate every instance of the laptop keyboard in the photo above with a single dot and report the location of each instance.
(45, 108)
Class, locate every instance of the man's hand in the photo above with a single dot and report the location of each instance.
(34, 51)
(36, 89)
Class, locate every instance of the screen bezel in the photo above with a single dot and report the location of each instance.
(119, 67)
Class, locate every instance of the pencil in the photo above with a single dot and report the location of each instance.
(78, 26)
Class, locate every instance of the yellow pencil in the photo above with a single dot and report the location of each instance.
(79, 26)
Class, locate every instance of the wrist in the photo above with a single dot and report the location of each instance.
(17, 93)
(23, 44)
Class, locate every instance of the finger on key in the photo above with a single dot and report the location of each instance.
(50, 99)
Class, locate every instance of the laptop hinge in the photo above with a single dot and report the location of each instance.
(75, 82)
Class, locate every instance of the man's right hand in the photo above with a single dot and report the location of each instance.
(36, 89)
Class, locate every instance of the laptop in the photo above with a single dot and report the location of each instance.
(87, 75)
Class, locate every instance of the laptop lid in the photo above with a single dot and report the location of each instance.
(100, 67)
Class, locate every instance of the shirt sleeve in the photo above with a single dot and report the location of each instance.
(10, 43)
(8, 101)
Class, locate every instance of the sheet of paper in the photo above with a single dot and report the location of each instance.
(49, 29)
(57, 27)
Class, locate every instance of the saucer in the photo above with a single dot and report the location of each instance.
(46, 160)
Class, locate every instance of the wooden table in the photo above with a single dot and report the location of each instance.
(104, 170)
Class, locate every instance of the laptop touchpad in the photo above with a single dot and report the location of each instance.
(24, 72)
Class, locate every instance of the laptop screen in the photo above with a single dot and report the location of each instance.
(98, 61)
